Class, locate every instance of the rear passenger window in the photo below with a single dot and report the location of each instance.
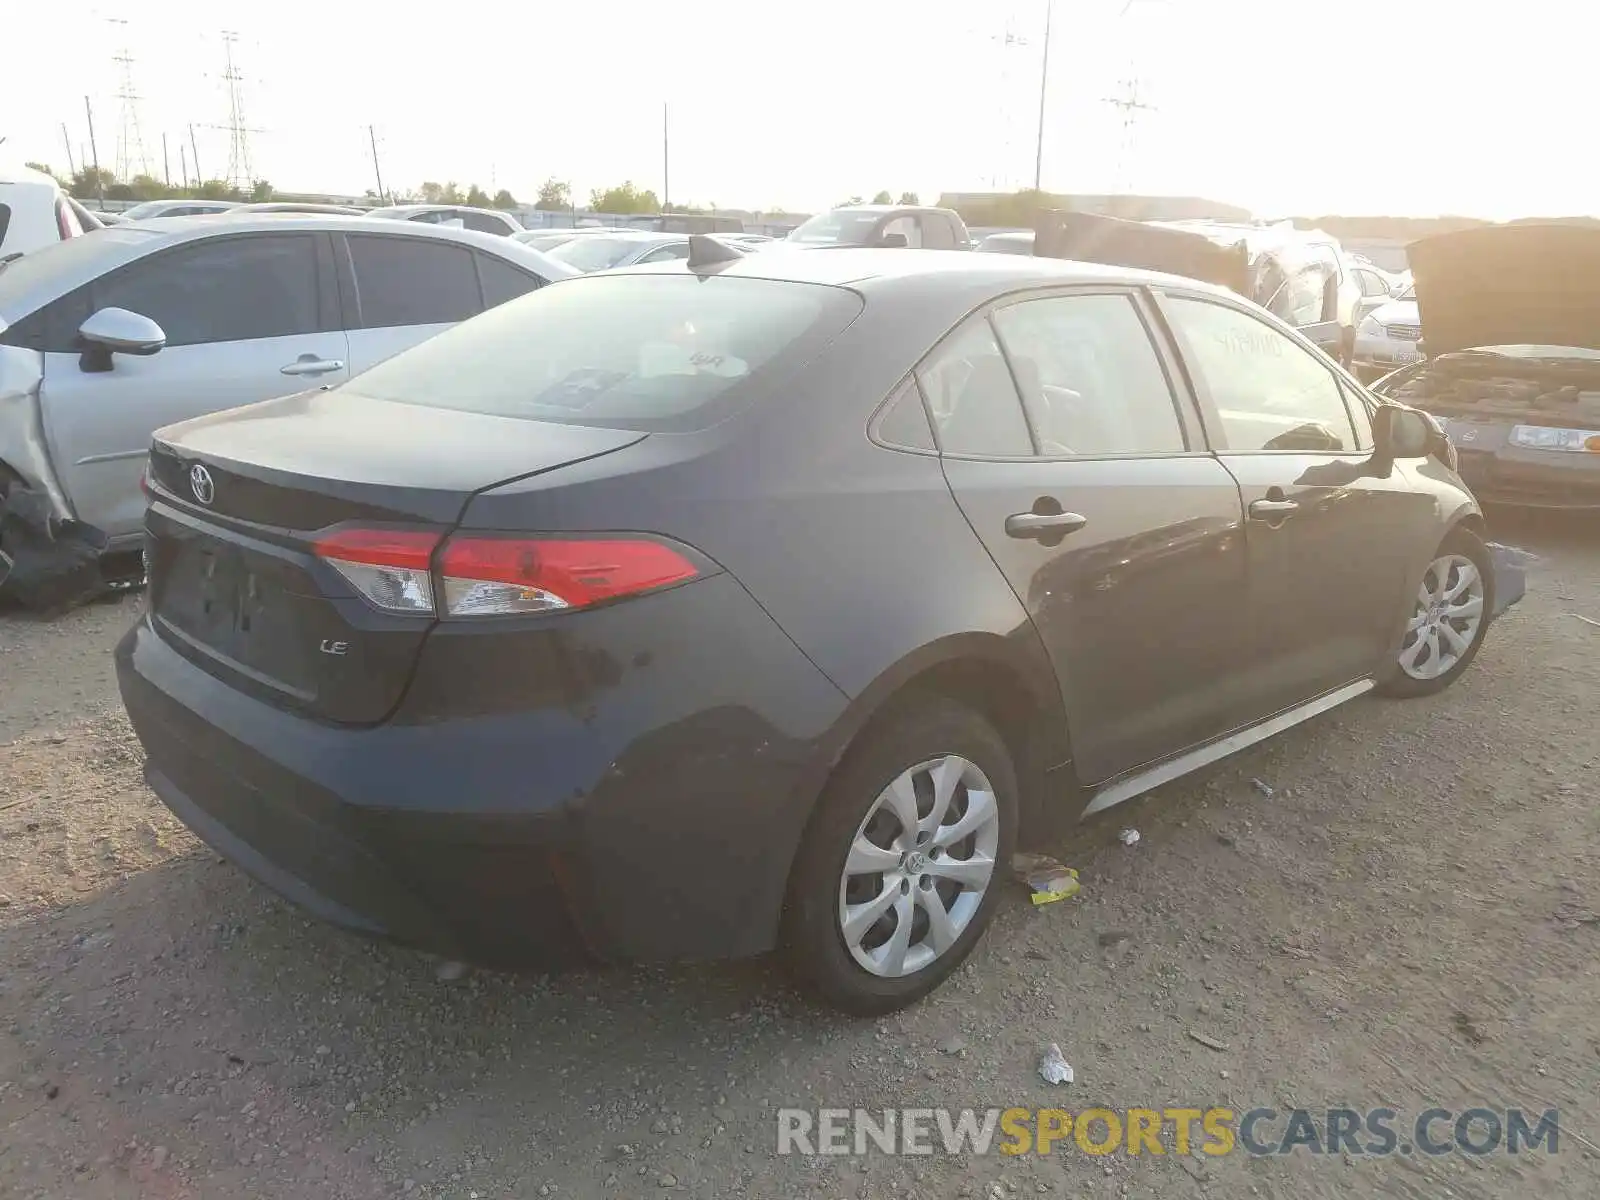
(1090, 377)
(413, 281)
(971, 397)
(502, 281)
(5, 223)
(485, 224)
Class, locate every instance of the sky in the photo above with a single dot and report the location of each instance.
(1403, 107)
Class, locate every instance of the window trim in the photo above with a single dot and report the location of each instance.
(1210, 413)
(327, 312)
(881, 414)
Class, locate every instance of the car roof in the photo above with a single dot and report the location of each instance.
(421, 208)
(867, 270)
(646, 235)
(27, 175)
(87, 258)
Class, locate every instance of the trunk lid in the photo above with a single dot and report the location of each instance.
(1535, 284)
(239, 499)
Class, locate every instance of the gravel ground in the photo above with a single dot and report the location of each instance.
(1409, 919)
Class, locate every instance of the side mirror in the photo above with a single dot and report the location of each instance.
(1403, 433)
(894, 241)
(117, 331)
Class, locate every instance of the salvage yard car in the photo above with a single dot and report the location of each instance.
(104, 339)
(1510, 322)
(690, 610)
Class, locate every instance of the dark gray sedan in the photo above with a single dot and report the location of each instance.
(688, 611)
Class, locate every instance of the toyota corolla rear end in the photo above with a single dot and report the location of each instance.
(516, 744)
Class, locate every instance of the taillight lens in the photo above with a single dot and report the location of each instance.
(389, 567)
(492, 576)
(497, 576)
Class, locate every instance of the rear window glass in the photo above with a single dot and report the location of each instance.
(5, 223)
(594, 253)
(651, 352)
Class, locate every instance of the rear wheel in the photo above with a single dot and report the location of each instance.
(900, 869)
(1449, 618)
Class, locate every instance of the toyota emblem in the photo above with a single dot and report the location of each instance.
(200, 483)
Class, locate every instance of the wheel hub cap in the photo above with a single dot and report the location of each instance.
(1447, 620)
(919, 866)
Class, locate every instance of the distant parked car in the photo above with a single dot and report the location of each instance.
(295, 206)
(772, 600)
(484, 220)
(549, 239)
(1389, 335)
(152, 322)
(35, 212)
(621, 248)
(151, 209)
(1011, 242)
(885, 225)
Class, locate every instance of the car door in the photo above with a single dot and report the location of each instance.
(401, 289)
(246, 317)
(1329, 542)
(1096, 496)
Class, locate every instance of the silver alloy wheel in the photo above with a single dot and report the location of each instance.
(919, 866)
(1447, 620)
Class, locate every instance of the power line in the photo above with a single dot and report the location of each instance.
(240, 173)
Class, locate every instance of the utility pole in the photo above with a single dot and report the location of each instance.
(99, 182)
(372, 137)
(67, 140)
(183, 164)
(196, 151)
(166, 161)
(1044, 83)
(666, 156)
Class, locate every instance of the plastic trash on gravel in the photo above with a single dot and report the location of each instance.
(1129, 837)
(1053, 1067)
(1046, 878)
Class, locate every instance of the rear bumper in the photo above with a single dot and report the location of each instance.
(635, 808)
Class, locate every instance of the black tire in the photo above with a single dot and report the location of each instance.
(1394, 681)
(926, 729)
(49, 575)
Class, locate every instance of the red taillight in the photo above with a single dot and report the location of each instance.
(389, 567)
(498, 576)
(487, 576)
(144, 482)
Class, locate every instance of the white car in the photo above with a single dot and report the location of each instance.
(484, 220)
(180, 207)
(35, 212)
(105, 339)
(1387, 336)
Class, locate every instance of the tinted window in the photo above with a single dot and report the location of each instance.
(502, 281)
(971, 397)
(1090, 377)
(5, 222)
(906, 227)
(652, 352)
(413, 281)
(936, 231)
(223, 290)
(1360, 414)
(484, 223)
(1271, 393)
(905, 422)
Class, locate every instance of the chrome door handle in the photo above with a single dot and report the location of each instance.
(1043, 525)
(1265, 510)
(313, 366)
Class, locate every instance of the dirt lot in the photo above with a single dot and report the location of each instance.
(1409, 919)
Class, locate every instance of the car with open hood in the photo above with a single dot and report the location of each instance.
(1510, 323)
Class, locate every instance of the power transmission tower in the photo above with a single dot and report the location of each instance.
(130, 158)
(1009, 41)
(1132, 108)
(240, 174)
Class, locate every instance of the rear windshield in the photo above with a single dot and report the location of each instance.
(654, 352)
(594, 253)
(838, 228)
